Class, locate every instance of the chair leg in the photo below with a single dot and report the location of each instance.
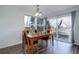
(52, 41)
(37, 48)
(23, 43)
(46, 43)
(28, 50)
(25, 49)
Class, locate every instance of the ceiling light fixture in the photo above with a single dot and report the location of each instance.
(38, 13)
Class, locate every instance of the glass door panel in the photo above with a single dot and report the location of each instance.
(64, 28)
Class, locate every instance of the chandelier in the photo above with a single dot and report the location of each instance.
(38, 13)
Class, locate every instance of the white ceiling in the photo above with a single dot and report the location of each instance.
(48, 10)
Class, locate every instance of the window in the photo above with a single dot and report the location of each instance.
(27, 21)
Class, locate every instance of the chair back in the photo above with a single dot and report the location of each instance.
(25, 38)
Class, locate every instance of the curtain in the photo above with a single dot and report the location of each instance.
(73, 15)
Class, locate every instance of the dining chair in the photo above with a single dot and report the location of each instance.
(24, 41)
(27, 43)
(46, 38)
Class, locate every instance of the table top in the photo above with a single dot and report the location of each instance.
(39, 34)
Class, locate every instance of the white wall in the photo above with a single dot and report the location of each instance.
(11, 25)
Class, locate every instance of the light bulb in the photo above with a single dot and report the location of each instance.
(40, 14)
(36, 14)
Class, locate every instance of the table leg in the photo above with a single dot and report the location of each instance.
(31, 50)
(46, 43)
(52, 40)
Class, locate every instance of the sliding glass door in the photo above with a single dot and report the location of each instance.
(62, 27)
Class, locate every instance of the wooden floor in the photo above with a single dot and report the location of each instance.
(57, 48)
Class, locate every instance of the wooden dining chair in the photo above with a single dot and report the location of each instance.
(46, 38)
(24, 41)
(27, 43)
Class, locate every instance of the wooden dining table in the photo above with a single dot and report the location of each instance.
(38, 36)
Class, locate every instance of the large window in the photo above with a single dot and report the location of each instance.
(34, 23)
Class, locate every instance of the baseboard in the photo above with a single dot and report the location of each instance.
(11, 45)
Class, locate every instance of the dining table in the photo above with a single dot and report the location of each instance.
(38, 36)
